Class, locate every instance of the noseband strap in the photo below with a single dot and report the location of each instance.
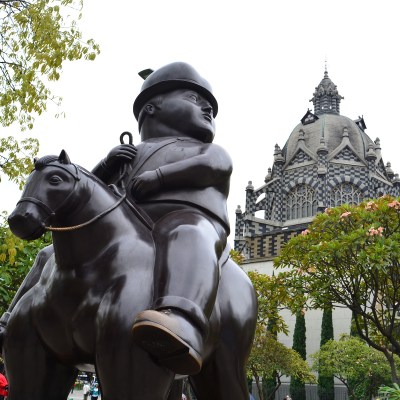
(38, 202)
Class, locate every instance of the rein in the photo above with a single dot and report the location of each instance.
(82, 225)
(140, 214)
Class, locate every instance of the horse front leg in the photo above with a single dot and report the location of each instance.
(30, 280)
(33, 372)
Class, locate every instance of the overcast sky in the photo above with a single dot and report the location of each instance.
(263, 59)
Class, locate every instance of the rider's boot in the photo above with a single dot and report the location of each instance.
(172, 338)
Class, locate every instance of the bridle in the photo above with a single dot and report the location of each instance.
(52, 213)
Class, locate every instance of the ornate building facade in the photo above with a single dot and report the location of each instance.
(327, 160)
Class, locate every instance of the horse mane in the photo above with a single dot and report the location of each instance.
(44, 161)
(40, 163)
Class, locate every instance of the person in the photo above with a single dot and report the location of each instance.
(3, 387)
(181, 181)
(86, 390)
(94, 392)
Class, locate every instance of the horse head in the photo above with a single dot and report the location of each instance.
(49, 193)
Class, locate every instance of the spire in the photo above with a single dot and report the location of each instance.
(326, 98)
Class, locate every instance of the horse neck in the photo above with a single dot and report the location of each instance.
(89, 198)
(79, 242)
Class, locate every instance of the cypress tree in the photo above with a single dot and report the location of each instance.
(269, 382)
(298, 388)
(326, 384)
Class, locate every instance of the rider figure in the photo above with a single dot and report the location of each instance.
(181, 180)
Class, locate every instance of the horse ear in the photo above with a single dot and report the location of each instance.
(63, 158)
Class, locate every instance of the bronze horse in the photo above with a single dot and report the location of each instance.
(79, 314)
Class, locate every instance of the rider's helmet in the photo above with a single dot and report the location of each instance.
(177, 75)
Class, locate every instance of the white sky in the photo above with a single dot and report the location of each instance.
(263, 59)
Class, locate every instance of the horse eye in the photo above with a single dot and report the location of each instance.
(55, 179)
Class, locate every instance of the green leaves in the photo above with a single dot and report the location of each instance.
(350, 256)
(269, 357)
(273, 296)
(16, 158)
(353, 362)
(36, 39)
(390, 393)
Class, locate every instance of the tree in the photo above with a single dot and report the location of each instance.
(297, 386)
(269, 357)
(350, 256)
(273, 297)
(37, 38)
(326, 383)
(351, 359)
(236, 256)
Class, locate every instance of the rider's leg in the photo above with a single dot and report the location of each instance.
(237, 325)
(188, 245)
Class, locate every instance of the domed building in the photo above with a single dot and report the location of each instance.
(328, 160)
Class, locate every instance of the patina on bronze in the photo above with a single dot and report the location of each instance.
(141, 288)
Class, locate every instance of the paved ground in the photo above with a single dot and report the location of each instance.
(77, 395)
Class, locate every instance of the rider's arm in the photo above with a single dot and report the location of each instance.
(213, 166)
(108, 168)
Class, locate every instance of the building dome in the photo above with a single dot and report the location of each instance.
(331, 128)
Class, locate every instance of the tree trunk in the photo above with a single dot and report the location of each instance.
(395, 377)
(259, 386)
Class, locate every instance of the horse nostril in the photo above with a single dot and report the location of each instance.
(15, 221)
(24, 225)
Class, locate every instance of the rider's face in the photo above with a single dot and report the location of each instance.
(188, 113)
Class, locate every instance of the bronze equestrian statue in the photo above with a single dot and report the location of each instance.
(140, 284)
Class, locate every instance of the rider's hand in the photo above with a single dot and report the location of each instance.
(119, 155)
(146, 183)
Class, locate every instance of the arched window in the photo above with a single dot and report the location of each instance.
(301, 202)
(345, 193)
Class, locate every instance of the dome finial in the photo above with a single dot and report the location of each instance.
(326, 98)
(326, 68)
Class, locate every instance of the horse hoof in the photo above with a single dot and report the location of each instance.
(171, 339)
